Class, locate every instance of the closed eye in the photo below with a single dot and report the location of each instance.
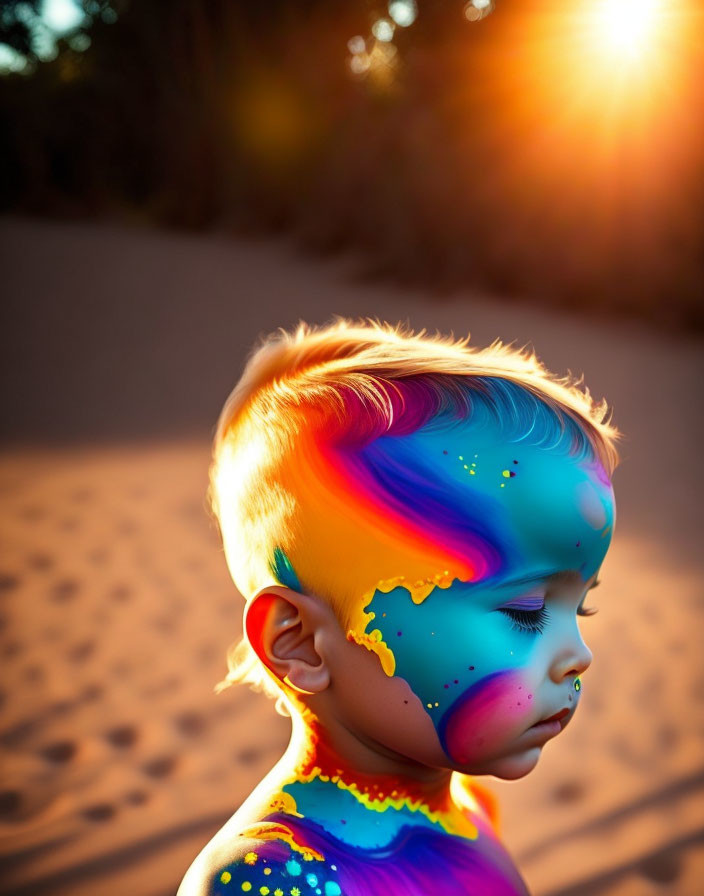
(527, 620)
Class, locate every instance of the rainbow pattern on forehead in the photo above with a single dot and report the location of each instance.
(319, 488)
(372, 510)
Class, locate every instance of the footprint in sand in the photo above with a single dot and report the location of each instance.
(34, 674)
(190, 723)
(99, 812)
(119, 594)
(40, 562)
(8, 582)
(568, 792)
(59, 752)
(662, 868)
(248, 756)
(127, 527)
(165, 624)
(91, 693)
(63, 591)
(161, 767)
(12, 648)
(136, 797)
(122, 736)
(10, 803)
(98, 557)
(80, 652)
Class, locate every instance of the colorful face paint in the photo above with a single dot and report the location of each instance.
(462, 654)
(437, 547)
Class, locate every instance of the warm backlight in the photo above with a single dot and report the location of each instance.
(627, 26)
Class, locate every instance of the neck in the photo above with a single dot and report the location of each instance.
(375, 775)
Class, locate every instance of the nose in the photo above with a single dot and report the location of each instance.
(572, 659)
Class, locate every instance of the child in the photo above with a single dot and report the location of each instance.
(415, 524)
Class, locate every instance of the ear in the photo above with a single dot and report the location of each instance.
(281, 626)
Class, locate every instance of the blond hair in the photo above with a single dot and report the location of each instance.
(357, 380)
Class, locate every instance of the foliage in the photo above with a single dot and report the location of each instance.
(444, 171)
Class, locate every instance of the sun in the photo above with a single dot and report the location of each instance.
(627, 26)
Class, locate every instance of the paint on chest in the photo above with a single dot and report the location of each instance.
(416, 863)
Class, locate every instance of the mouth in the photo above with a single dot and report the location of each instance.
(550, 727)
(556, 718)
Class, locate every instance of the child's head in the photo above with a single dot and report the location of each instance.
(432, 496)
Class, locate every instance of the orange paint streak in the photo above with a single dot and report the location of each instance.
(267, 830)
(346, 530)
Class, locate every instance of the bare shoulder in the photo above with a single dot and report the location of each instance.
(223, 867)
(256, 866)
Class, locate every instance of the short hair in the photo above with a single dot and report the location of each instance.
(339, 388)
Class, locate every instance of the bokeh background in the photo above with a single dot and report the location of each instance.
(177, 178)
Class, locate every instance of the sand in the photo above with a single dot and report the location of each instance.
(117, 760)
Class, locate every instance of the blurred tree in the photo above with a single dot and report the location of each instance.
(19, 21)
(465, 163)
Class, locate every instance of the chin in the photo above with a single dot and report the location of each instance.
(518, 765)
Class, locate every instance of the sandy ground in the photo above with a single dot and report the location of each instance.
(117, 760)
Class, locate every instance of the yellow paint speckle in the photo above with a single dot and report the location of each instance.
(268, 870)
(295, 891)
(505, 474)
(246, 886)
(225, 877)
(278, 892)
(472, 472)
(264, 890)
(250, 858)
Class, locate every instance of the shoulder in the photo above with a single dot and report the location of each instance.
(255, 866)
(237, 867)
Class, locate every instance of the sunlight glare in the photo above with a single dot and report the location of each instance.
(628, 25)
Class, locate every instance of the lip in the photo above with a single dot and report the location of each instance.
(555, 718)
(549, 727)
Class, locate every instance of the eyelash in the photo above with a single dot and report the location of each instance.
(527, 620)
(589, 611)
(536, 620)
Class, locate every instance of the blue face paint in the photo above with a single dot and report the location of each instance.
(542, 512)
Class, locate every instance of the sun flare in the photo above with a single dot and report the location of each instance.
(627, 26)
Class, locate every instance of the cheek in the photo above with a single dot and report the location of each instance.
(497, 707)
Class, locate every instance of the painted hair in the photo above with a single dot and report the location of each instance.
(305, 497)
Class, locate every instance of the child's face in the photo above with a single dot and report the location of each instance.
(489, 659)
